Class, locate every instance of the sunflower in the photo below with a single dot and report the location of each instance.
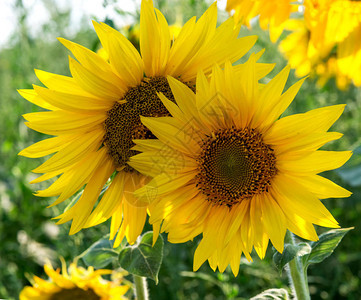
(299, 49)
(337, 24)
(332, 21)
(342, 64)
(78, 284)
(95, 114)
(330, 69)
(225, 166)
(272, 14)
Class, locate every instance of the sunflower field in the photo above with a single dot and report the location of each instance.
(181, 150)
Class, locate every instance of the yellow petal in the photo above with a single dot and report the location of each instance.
(117, 219)
(190, 40)
(57, 187)
(274, 221)
(60, 83)
(322, 187)
(72, 153)
(49, 175)
(82, 208)
(270, 95)
(154, 39)
(134, 220)
(217, 48)
(145, 145)
(316, 120)
(288, 193)
(109, 202)
(262, 69)
(236, 215)
(74, 103)
(170, 132)
(165, 160)
(47, 146)
(33, 97)
(282, 103)
(302, 143)
(124, 59)
(134, 182)
(204, 250)
(316, 162)
(93, 83)
(162, 184)
(156, 229)
(300, 226)
(185, 99)
(260, 239)
(168, 204)
(80, 174)
(62, 122)
(247, 232)
(90, 60)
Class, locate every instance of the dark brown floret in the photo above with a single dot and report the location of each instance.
(123, 122)
(235, 164)
(75, 293)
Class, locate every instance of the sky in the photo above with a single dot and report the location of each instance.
(38, 15)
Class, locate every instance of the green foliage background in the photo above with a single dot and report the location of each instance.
(28, 236)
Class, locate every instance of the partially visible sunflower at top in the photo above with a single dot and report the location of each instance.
(327, 42)
(306, 59)
(272, 13)
(337, 23)
(94, 114)
(76, 283)
(227, 167)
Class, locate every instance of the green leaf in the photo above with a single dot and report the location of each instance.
(279, 294)
(100, 254)
(325, 246)
(142, 259)
(289, 253)
(351, 175)
(351, 171)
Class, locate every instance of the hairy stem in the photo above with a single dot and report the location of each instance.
(141, 288)
(297, 274)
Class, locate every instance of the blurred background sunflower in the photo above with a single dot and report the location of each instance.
(74, 283)
(28, 236)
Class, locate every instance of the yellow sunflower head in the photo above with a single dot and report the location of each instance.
(94, 114)
(227, 167)
(300, 50)
(78, 283)
(330, 69)
(332, 21)
(272, 13)
(327, 42)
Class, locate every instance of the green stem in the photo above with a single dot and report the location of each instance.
(297, 274)
(141, 289)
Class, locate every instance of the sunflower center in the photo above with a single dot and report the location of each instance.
(123, 122)
(235, 164)
(75, 293)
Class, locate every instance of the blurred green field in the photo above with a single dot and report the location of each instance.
(28, 236)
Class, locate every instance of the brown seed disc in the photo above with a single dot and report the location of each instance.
(123, 122)
(235, 164)
(75, 293)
